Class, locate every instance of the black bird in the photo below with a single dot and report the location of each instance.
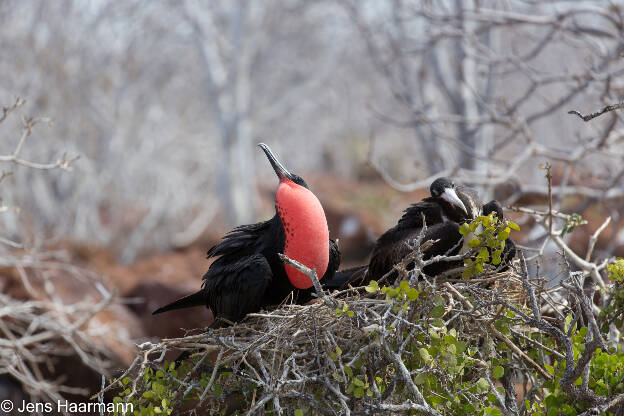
(248, 274)
(449, 241)
(447, 208)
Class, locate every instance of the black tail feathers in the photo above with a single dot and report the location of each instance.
(195, 299)
(343, 278)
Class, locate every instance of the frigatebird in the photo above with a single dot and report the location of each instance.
(448, 207)
(443, 212)
(248, 274)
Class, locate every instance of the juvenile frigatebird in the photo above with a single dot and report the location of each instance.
(443, 212)
(448, 207)
(248, 274)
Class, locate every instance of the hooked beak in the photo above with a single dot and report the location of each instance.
(451, 197)
(281, 171)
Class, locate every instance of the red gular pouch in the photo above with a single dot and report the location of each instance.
(305, 228)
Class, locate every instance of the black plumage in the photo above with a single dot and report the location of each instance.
(247, 274)
(448, 207)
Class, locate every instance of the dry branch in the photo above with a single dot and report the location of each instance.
(595, 114)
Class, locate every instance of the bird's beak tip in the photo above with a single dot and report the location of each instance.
(280, 170)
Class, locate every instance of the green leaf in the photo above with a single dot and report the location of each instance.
(358, 392)
(338, 351)
(424, 354)
(439, 300)
(298, 412)
(513, 225)
(494, 411)
(420, 378)
(358, 382)
(482, 385)
(350, 314)
(464, 229)
(498, 371)
(437, 312)
(475, 242)
(483, 254)
(372, 287)
(412, 294)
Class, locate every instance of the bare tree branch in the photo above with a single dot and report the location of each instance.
(593, 115)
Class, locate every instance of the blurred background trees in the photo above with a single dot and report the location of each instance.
(166, 101)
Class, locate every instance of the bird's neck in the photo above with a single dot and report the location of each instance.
(305, 229)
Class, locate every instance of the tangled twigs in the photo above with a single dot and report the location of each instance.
(35, 334)
(500, 336)
(362, 363)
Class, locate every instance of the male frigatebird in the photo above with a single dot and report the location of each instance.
(248, 274)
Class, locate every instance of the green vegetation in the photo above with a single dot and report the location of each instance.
(488, 239)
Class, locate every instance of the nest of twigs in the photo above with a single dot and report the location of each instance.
(308, 356)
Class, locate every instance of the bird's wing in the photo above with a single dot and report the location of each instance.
(242, 240)
(234, 289)
(413, 216)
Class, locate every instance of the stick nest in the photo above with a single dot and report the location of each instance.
(329, 356)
